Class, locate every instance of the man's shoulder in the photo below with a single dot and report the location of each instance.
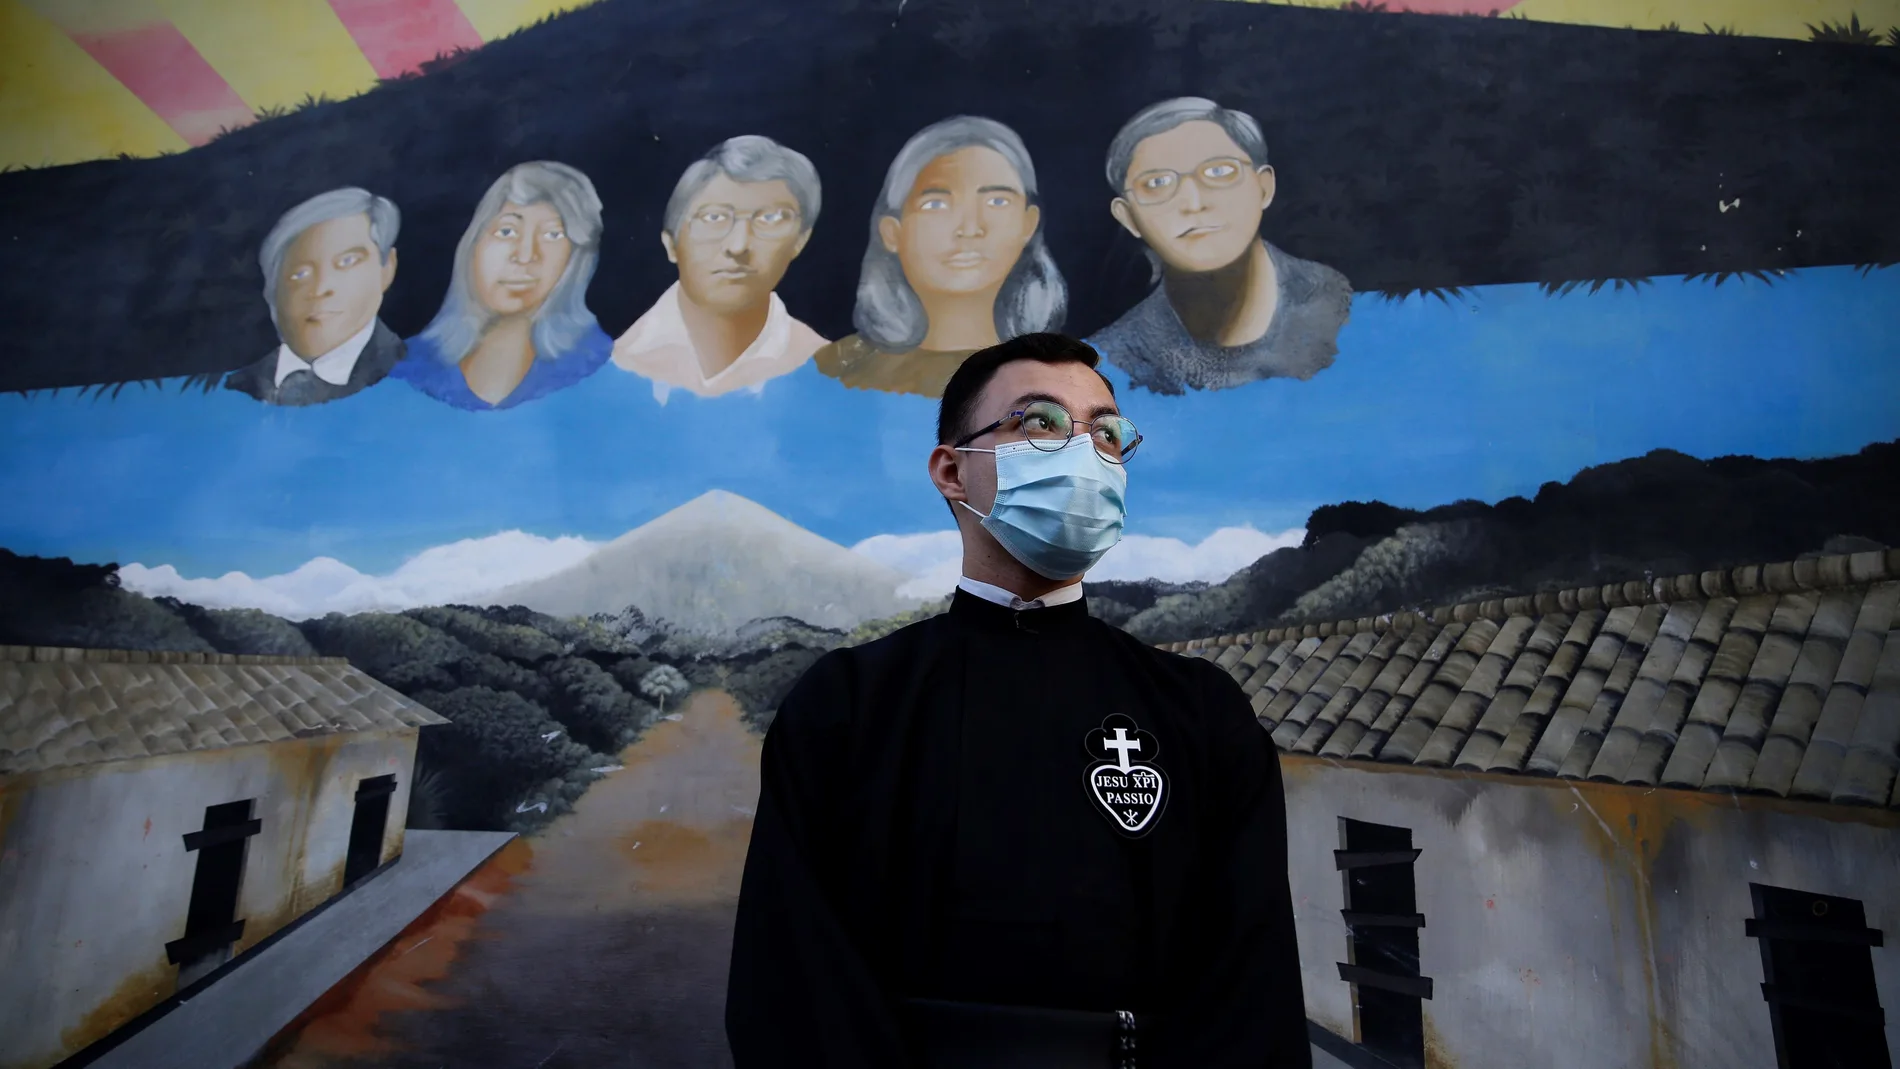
(897, 648)
(255, 378)
(1186, 670)
(384, 350)
(849, 671)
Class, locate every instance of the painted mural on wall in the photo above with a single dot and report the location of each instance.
(1409, 310)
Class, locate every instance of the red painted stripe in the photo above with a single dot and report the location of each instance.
(399, 36)
(162, 69)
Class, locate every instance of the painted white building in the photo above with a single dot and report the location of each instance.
(1644, 824)
(164, 813)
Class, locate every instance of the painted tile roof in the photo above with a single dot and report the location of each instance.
(1778, 679)
(65, 707)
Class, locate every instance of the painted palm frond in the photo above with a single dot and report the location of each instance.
(1445, 294)
(1850, 32)
(1718, 277)
(1594, 285)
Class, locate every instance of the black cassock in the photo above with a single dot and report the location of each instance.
(947, 814)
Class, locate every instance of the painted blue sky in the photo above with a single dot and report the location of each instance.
(1428, 402)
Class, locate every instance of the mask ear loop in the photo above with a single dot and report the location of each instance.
(966, 504)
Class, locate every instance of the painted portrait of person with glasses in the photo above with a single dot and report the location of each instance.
(1191, 181)
(737, 219)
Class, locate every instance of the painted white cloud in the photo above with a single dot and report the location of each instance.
(934, 560)
(458, 571)
(468, 570)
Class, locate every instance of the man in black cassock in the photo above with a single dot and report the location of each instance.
(1012, 835)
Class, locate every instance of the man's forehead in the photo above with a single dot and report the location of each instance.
(1184, 146)
(331, 235)
(356, 224)
(724, 189)
(1073, 385)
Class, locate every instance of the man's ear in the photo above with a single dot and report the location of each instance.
(1124, 214)
(946, 473)
(389, 269)
(666, 242)
(1268, 185)
(888, 231)
(799, 245)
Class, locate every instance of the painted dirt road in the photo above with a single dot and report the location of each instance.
(602, 941)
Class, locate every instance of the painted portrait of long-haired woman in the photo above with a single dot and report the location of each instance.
(955, 262)
(514, 324)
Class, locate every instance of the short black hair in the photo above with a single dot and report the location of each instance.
(958, 409)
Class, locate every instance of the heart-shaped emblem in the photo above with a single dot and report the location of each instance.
(1130, 794)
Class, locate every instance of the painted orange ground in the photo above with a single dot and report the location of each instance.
(343, 1022)
(604, 937)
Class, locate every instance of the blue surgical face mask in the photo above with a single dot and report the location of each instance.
(1057, 511)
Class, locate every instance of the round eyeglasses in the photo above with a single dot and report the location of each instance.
(1158, 187)
(1048, 427)
(714, 221)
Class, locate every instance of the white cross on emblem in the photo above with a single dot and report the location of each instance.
(1121, 744)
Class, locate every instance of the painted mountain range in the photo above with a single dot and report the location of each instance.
(714, 563)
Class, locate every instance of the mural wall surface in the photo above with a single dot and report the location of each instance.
(573, 371)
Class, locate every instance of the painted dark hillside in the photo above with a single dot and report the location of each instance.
(538, 703)
(1412, 152)
(1659, 514)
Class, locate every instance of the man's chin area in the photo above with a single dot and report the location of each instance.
(732, 300)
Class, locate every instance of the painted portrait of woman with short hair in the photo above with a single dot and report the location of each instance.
(1191, 182)
(955, 262)
(515, 325)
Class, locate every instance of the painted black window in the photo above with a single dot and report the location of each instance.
(211, 922)
(1818, 970)
(367, 827)
(1382, 924)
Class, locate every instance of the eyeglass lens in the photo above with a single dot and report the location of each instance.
(1049, 426)
(1157, 187)
(715, 221)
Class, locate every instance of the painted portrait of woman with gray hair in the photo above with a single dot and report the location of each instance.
(514, 325)
(955, 262)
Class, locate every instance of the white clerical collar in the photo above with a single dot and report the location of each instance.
(333, 367)
(1059, 596)
(659, 347)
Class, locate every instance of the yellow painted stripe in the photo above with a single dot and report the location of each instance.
(1754, 18)
(57, 105)
(499, 18)
(98, 16)
(274, 53)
